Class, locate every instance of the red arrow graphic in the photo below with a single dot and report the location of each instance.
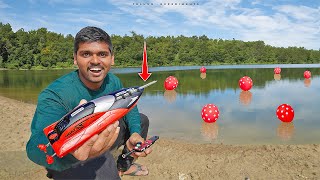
(144, 69)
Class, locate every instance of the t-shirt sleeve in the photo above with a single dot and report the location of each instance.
(49, 110)
(133, 118)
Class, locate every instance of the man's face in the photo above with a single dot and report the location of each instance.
(94, 61)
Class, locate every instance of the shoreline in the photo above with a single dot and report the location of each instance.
(216, 66)
(170, 159)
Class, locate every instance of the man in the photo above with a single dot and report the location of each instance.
(94, 56)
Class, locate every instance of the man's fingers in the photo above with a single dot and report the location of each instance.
(82, 101)
(104, 138)
(82, 153)
(109, 139)
(116, 124)
(99, 144)
(144, 153)
(113, 138)
(148, 151)
(133, 140)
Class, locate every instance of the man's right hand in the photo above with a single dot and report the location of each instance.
(99, 143)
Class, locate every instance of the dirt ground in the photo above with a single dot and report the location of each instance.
(170, 159)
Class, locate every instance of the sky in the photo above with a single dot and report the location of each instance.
(280, 23)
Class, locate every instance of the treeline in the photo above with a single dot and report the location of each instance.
(42, 49)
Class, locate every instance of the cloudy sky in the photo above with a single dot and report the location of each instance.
(280, 23)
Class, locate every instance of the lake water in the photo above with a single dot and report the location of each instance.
(245, 117)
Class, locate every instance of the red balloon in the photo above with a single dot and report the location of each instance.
(285, 113)
(277, 70)
(245, 83)
(307, 74)
(171, 83)
(203, 69)
(210, 113)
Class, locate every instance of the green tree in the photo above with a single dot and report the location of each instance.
(44, 49)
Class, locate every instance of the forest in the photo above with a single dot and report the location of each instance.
(43, 49)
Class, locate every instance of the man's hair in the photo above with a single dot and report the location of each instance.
(92, 34)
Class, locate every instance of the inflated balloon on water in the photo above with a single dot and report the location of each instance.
(210, 113)
(277, 70)
(245, 83)
(203, 69)
(307, 74)
(171, 83)
(285, 113)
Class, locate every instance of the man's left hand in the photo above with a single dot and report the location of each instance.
(132, 142)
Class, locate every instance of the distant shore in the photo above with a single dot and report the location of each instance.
(170, 159)
(211, 66)
(36, 69)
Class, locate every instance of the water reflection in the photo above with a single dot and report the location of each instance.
(180, 109)
(170, 95)
(307, 82)
(209, 130)
(285, 131)
(277, 77)
(203, 75)
(245, 97)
